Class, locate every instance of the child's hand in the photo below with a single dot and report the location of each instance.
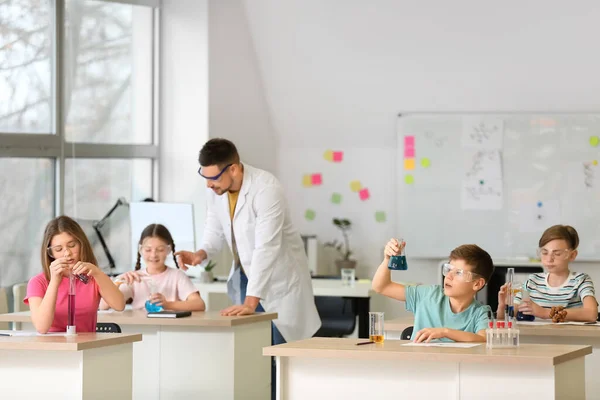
(85, 268)
(393, 248)
(57, 268)
(502, 295)
(427, 334)
(159, 300)
(528, 307)
(130, 277)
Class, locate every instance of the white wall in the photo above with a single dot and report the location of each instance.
(238, 109)
(336, 73)
(184, 105)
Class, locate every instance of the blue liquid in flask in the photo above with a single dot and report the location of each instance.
(398, 263)
(525, 317)
(152, 307)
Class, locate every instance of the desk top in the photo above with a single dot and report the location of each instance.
(138, 317)
(399, 324)
(81, 341)
(321, 287)
(526, 354)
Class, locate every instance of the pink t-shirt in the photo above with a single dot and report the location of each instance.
(87, 299)
(172, 283)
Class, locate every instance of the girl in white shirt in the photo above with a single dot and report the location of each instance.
(174, 289)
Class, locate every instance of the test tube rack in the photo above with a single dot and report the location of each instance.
(497, 338)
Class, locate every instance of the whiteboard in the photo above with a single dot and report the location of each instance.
(178, 218)
(549, 173)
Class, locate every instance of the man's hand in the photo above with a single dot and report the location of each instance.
(243, 309)
(185, 258)
(427, 334)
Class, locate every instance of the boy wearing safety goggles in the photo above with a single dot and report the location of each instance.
(557, 286)
(446, 313)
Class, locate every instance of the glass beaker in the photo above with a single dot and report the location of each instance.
(376, 333)
(348, 276)
(151, 307)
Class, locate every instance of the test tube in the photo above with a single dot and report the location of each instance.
(71, 330)
(510, 307)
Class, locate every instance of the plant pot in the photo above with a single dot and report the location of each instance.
(340, 264)
(206, 277)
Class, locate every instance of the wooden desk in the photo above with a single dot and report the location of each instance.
(202, 356)
(541, 334)
(84, 366)
(215, 296)
(308, 369)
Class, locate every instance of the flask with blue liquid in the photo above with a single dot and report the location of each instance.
(151, 307)
(520, 315)
(398, 262)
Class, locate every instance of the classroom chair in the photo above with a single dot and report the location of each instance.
(107, 327)
(338, 316)
(3, 307)
(19, 291)
(407, 333)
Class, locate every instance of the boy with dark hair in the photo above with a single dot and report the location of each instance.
(448, 313)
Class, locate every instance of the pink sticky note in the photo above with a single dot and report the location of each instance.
(409, 152)
(364, 194)
(317, 179)
(409, 141)
(338, 156)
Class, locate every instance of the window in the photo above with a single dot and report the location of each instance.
(26, 96)
(27, 204)
(76, 150)
(108, 95)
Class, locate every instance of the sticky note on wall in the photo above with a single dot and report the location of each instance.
(336, 198)
(364, 194)
(307, 181)
(316, 179)
(309, 215)
(409, 152)
(338, 156)
(409, 164)
(380, 216)
(328, 155)
(409, 141)
(355, 186)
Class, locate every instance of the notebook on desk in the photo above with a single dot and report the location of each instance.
(169, 314)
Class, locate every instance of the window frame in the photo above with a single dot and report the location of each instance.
(55, 146)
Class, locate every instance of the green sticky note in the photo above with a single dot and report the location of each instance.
(425, 162)
(594, 141)
(336, 198)
(380, 216)
(409, 179)
(310, 215)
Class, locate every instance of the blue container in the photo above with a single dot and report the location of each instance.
(151, 308)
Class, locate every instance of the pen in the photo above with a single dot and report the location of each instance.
(360, 343)
(5, 334)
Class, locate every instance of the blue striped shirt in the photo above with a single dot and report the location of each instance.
(569, 295)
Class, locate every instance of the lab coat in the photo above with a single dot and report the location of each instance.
(271, 252)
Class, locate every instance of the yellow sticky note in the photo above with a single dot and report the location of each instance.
(594, 141)
(307, 181)
(409, 164)
(328, 155)
(409, 179)
(355, 186)
(425, 162)
(595, 162)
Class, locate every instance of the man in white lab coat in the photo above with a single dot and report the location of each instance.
(247, 209)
